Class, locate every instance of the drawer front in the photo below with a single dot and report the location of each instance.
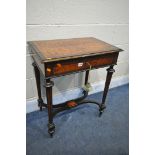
(65, 67)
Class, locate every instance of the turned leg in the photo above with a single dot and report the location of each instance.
(37, 76)
(110, 72)
(51, 127)
(86, 77)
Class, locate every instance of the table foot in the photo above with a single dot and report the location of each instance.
(40, 104)
(101, 110)
(51, 129)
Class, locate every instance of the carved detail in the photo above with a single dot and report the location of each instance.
(51, 129)
(110, 69)
(37, 76)
(49, 84)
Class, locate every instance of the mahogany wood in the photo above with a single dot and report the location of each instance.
(49, 84)
(64, 67)
(53, 50)
(86, 77)
(55, 58)
(110, 71)
(37, 76)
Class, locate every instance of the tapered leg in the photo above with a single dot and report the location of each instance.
(110, 72)
(51, 127)
(37, 76)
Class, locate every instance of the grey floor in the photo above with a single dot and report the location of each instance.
(81, 131)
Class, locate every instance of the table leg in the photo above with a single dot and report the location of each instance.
(37, 76)
(110, 72)
(86, 77)
(51, 127)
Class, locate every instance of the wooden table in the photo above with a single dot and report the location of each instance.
(53, 58)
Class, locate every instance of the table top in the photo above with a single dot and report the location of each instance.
(60, 49)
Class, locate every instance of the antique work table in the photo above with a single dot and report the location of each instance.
(53, 58)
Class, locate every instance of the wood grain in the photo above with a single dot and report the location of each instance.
(80, 64)
(52, 50)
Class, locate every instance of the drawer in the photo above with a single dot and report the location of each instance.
(75, 65)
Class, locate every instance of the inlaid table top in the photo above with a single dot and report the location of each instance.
(52, 50)
(54, 58)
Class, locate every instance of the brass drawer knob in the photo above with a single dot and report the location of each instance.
(80, 64)
(49, 70)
